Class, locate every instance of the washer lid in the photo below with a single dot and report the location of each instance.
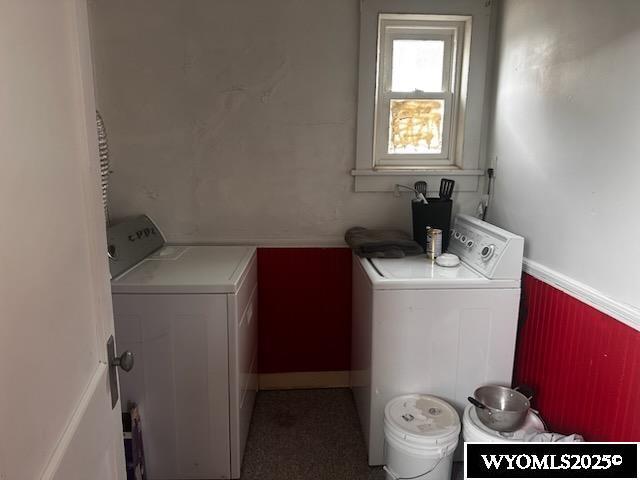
(422, 416)
(419, 272)
(421, 268)
(187, 269)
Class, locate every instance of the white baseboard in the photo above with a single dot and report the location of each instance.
(302, 380)
(627, 314)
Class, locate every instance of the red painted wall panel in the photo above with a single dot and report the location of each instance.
(304, 309)
(583, 364)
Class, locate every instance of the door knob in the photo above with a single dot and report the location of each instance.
(124, 361)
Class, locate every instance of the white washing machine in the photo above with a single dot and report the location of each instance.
(189, 315)
(422, 328)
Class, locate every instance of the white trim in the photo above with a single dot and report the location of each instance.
(386, 182)
(627, 314)
(425, 172)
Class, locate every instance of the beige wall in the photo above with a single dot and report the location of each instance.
(234, 120)
(566, 138)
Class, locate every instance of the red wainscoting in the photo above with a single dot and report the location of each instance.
(304, 309)
(583, 365)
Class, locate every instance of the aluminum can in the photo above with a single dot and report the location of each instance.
(434, 242)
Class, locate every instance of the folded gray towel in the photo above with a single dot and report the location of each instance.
(381, 243)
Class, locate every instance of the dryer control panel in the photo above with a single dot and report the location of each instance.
(492, 251)
(131, 241)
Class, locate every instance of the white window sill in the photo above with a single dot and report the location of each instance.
(386, 180)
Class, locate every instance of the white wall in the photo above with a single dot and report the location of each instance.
(234, 120)
(567, 138)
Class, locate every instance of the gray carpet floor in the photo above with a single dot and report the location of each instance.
(307, 435)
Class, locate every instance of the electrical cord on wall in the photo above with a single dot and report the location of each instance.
(483, 204)
(490, 173)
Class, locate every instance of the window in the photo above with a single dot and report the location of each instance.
(422, 84)
(419, 84)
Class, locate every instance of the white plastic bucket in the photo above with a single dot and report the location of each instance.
(421, 433)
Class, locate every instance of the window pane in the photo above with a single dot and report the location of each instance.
(415, 126)
(417, 65)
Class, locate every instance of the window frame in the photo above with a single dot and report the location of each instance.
(448, 28)
(473, 130)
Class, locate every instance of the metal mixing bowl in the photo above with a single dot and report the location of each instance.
(500, 408)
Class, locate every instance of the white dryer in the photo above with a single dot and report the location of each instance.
(189, 315)
(422, 328)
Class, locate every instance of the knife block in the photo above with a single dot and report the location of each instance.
(436, 214)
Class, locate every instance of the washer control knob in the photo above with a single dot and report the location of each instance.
(470, 243)
(457, 235)
(463, 239)
(487, 252)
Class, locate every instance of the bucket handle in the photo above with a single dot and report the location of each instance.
(395, 476)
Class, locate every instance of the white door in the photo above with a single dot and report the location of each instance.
(56, 418)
